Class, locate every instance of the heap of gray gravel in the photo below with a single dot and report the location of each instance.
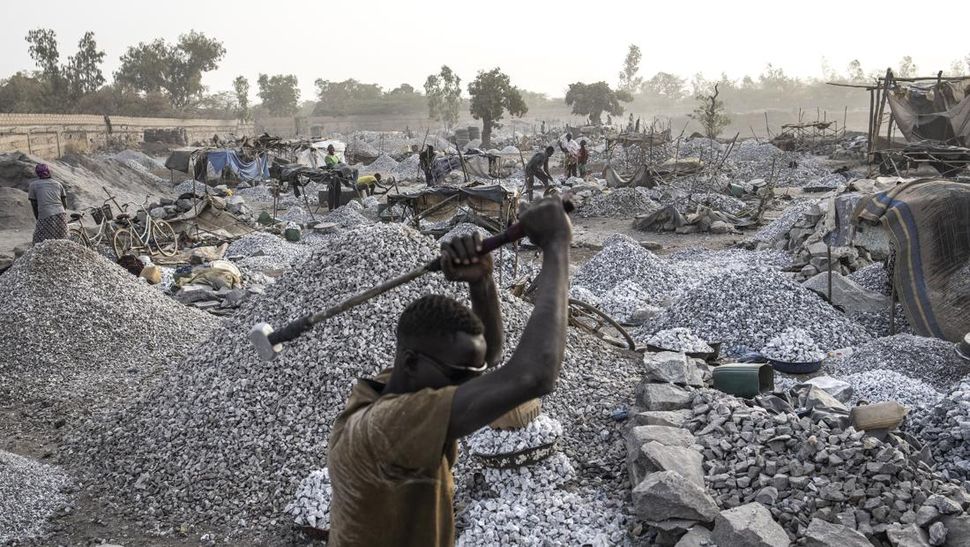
(793, 345)
(30, 493)
(888, 385)
(622, 259)
(619, 203)
(930, 360)
(945, 428)
(225, 439)
(872, 277)
(81, 334)
(778, 229)
(804, 465)
(744, 309)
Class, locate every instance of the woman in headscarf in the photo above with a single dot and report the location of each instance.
(49, 203)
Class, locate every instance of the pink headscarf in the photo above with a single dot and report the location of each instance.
(43, 171)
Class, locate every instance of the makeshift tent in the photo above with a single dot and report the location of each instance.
(257, 169)
(939, 112)
(929, 220)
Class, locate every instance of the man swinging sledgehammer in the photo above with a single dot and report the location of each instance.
(392, 448)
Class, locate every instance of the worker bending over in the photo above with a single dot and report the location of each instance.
(48, 200)
(538, 168)
(392, 448)
(367, 183)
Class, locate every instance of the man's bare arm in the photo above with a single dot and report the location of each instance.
(534, 367)
(485, 304)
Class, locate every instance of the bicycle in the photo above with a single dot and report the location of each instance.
(157, 236)
(103, 218)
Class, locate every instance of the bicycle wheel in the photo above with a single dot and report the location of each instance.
(164, 238)
(78, 236)
(594, 321)
(124, 242)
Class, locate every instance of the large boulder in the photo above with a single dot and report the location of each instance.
(666, 366)
(653, 457)
(825, 534)
(908, 536)
(847, 294)
(698, 536)
(669, 495)
(748, 525)
(957, 530)
(663, 396)
(671, 418)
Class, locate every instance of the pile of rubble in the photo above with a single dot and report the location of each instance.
(793, 345)
(619, 203)
(932, 360)
(623, 259)
(164, 454)
(30, 493)
(744, 309)
(710, 468)
(944, 429)
(81, 332)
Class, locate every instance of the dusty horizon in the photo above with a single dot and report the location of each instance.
(393, 44)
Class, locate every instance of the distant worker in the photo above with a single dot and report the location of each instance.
(570, 151)
(583, 158)
(368, 183)
(49, 203)
(538, 168)
(331, 159)
(426, 161)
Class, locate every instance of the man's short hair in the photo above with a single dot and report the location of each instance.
(550, 150)
(437, 315)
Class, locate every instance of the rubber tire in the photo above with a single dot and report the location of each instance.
(123, 242)
(164, 238)
(77, 236)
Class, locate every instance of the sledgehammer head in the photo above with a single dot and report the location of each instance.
(259, 336)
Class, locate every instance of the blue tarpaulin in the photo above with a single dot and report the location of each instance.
(257, 169)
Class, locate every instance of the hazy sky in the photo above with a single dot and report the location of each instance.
(543, 46)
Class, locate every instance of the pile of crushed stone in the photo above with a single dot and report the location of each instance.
(619, 203)
(744, 309)
(225, 439)
(81, 334)
(930, 360)
(30, 493)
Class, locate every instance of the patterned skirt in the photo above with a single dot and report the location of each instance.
(52, 227)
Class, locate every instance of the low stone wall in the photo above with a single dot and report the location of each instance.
(51, 136)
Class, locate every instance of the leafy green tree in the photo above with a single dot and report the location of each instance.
(279, 93)
(710, 113)
(774, 79)
(176, 69)
(240, 87)
(594, 99)
(22, 93)
(492, 95)
(344, 98)
(43, 50)
(630, 82)
(83, 70)
(665, 85)
(444, 96)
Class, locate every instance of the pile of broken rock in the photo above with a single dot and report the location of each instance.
(708, 468)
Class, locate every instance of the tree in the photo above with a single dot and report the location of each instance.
(775, 79)
(665, 85)
(594, 99)
(22, 93)
(83, 70)
(344, 98)
(43, 50)
(629, 81)
(699, 84)
(403, 89)
(241, 87)
(444, 96)
(279, 94)
(856, 74)
(710, 113)
(907, 68)
(174, 68)
(492, 94)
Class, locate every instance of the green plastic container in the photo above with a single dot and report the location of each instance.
(744, 379)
